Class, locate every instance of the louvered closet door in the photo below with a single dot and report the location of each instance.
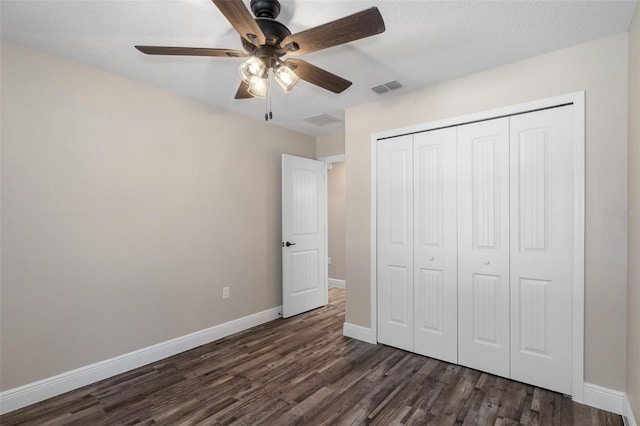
(483, 246)
(541, 248)
(435, 241)
(395, 242)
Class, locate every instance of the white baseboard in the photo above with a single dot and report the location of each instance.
(627, 413)
(31, 393)
(337, 283)
(358, 332)
(603, 398)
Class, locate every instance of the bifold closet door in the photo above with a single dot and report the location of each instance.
(475, 241)
(435, 253)
(542, 215)
(483, 246)
(395, 241)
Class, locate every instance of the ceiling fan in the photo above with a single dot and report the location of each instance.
(266, 41)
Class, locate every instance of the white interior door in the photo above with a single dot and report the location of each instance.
(541, 248)
(304, 254)
(435, 245)
(483, 246)
(395, 242)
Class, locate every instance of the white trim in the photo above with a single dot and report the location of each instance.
(332, 158)
(31, 393)
(358, 332)
(627, 412)
(578, 100)
(333, 282)
(575, 98)
(374, 238)
(579, 231)
(603, 398)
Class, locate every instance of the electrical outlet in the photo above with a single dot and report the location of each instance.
(329, 261)
(225, 292)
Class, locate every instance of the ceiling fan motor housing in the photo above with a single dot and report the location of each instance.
(266, 12)
(265, 8)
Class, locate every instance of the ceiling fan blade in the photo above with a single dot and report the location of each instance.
(318, 76)
(190, 51)
(243, 91)
(240, 18)
(353, 27)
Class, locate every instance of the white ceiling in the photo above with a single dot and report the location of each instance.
(425, 42)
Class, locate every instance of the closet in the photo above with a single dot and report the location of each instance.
(475, 245)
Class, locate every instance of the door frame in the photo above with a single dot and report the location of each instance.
(330, 159)
(577, 99)
(287, 211)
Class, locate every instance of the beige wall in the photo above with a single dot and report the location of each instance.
(330, 145)
(336, 202)
(633, 296)
(600, 68)
(125, 210)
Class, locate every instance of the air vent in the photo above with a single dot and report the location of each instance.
(393, 85)
(321, 120)
(387, 87)
(380, 89)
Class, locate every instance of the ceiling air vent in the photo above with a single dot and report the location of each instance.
(387, 87)
(321, 119)
(380, 89)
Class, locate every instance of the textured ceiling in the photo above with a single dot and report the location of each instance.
(425, 42)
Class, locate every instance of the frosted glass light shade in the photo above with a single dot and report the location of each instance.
(286, 78)
(251, 70)
(260, 88)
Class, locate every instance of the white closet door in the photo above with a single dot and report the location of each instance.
(395, 242)
(541, 248)
(483, 246)
(435, 241)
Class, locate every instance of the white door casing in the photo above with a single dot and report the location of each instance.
(577, 224)
(542, 247)
(304, 254)
(435, 245)
(395, 242)
(483, 246)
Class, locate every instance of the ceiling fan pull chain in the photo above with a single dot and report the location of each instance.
(268, 115)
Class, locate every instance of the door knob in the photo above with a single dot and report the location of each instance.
(431, 257)
(288, 244)
(486, 262)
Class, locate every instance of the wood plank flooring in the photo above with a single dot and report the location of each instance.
(302, 371)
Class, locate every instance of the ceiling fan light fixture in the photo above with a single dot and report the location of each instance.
(252, 70)
(260, 88)
(286, 78)
(266, 40)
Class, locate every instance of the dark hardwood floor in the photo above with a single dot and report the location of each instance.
(302, 371)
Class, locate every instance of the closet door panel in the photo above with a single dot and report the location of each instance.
(541, 248)
(395, 242)
(435, 245)
(483, 246)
